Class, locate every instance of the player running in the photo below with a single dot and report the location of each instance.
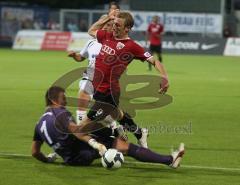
(154, 33)
(117, 52)
(58, 129)
(86, 90)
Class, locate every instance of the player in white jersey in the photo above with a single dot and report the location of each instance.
(89, 51)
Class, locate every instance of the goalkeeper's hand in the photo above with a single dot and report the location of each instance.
(98, 146)
(52, 157)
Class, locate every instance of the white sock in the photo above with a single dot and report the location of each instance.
(81, 114)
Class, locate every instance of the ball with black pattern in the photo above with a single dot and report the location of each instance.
(112, 159)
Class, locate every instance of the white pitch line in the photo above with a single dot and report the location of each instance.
(142, 163)
(188, 166)
(17, 155)
(210, 168)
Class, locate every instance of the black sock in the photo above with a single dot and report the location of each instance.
(130, 126)
(146, 155)
(149, 66)
(160, 57)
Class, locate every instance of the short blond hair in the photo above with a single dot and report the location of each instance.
(128, 19)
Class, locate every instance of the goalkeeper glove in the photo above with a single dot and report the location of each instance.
(98, 146)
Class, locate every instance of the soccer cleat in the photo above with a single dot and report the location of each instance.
(143, 140)
(177, 156)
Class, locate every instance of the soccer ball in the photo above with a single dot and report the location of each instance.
(112, 159)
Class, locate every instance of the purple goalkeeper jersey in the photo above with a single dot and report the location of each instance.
(52, 128)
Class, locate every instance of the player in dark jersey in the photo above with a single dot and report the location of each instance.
(58, 129)
(54, 127)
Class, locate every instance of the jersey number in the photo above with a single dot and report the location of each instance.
(45, 132)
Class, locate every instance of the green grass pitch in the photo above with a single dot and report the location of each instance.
(206, 92)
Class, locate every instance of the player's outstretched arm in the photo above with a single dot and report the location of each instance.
(37, 154)
(76, 56)
(84, 136)
(163, 73)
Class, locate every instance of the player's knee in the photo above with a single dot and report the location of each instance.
(121, 145)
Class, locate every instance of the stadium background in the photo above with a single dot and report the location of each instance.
(204, 86)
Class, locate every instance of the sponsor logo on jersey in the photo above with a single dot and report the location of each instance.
(108, 50)
(146, 54)
(155, 29)
(120, 45)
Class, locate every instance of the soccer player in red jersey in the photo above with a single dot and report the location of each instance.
(117, 52)
(154, 34)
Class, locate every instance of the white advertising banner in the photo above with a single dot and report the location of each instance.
(193, 23)
(29, 40)
(50, 40)
(181, 22)
(142, 19)
(232, 47)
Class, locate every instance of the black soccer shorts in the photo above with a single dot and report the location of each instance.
(156, 48)
(84, 155)
(105, 104)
